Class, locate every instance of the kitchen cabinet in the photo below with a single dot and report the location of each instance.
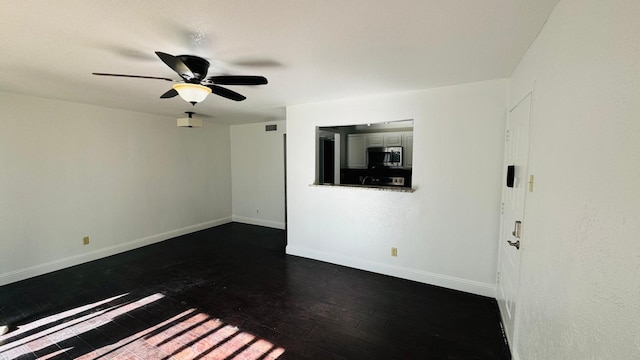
(375, 140)
(357, 151)
(407, 144)
(393, 139)
(384, 139)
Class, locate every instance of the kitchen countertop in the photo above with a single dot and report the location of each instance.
(368, 187)
(373, 177)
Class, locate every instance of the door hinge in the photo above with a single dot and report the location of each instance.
(506, 136)
(502, 209)
(498, 277)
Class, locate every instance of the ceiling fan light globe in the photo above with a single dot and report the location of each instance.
(192, 93)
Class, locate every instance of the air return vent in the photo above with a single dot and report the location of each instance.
(273, 127)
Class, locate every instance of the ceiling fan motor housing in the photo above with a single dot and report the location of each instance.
(198, 66)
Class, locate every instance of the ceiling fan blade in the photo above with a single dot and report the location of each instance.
(169, 94)
(238, 80)
(134, 76)
(176, 65)
(229, 94)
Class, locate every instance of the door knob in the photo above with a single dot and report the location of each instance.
(514, 244)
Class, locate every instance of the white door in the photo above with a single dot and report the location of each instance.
(512, 222)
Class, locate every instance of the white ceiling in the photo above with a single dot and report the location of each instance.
(310, 50)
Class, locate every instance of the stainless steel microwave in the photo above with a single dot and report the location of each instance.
(379, 157)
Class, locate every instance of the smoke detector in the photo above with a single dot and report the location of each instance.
(189, 121)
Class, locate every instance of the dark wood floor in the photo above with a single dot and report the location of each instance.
(230, 292)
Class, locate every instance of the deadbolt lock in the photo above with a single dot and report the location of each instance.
(517, 229)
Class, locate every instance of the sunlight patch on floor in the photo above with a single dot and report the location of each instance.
(65, 314)
(188, 335)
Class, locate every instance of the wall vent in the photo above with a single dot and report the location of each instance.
(273, 127)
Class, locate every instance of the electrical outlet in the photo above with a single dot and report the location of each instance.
(85, 240)
(394, 251)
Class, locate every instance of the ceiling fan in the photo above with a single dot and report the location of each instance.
(196, 86)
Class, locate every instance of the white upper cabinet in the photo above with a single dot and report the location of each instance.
(375, 140)
(407, 150)
(392, 139)
(384, 139)
(356, 151)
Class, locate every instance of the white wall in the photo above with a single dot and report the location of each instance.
(257, 173)
(580, 272)
(125, 179)
(446, 231)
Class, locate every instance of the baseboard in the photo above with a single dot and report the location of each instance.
(40, 269)
(450, 282)
(260, 222)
